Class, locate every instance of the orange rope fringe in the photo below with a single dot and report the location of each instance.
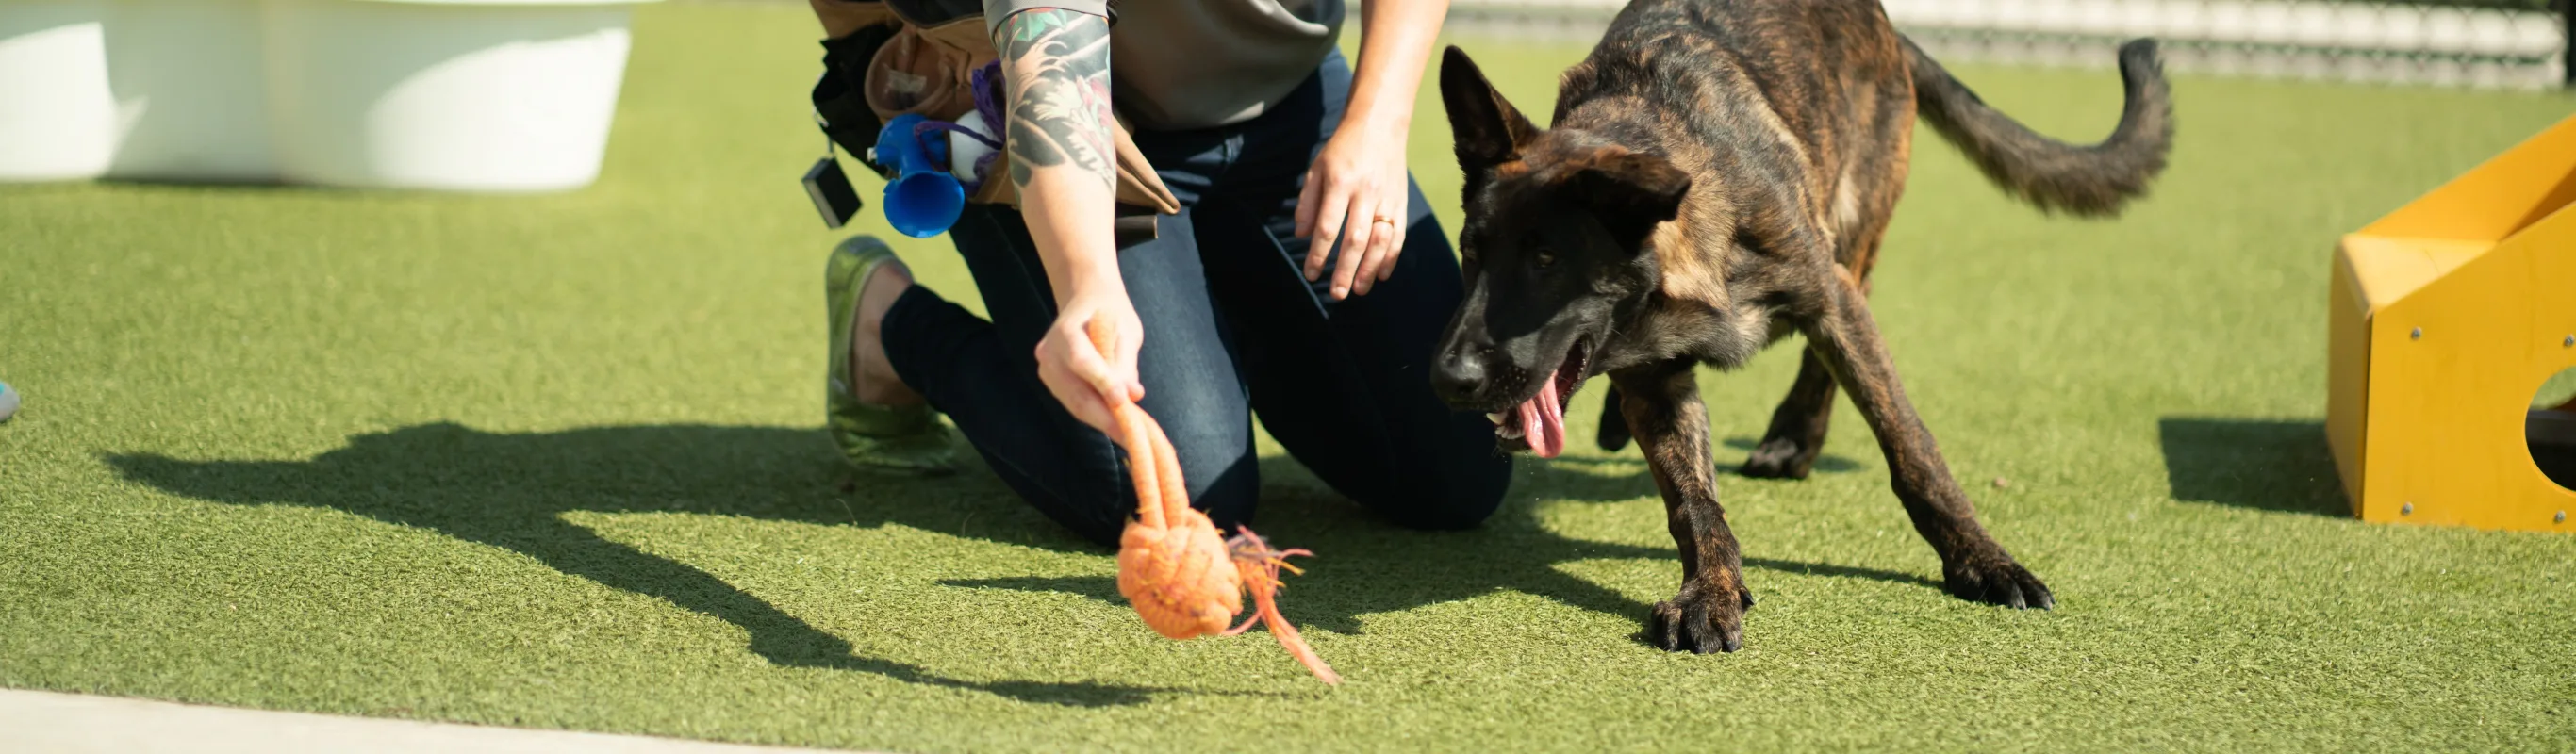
(1183, 579)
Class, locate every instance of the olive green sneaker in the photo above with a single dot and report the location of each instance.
(899, 438)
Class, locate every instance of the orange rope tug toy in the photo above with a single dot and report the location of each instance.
(1183, 580)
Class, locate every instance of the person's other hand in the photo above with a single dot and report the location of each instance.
(1080, 375)
(1358, 180)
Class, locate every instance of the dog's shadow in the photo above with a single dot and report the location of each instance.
(1826, 463)
(513, 491)
(1622, 475)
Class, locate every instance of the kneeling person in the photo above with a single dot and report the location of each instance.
(1304, 278)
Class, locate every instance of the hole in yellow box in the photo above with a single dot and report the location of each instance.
(2550, 428)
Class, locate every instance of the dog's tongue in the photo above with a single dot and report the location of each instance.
(1543, 422)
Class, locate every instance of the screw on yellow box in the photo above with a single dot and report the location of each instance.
(2448, 316)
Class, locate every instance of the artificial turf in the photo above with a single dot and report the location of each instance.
(555, 461)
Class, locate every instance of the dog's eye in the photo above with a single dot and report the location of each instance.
(1545, 258)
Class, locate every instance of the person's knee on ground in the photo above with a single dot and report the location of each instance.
(1453, 490)
(1454, 500)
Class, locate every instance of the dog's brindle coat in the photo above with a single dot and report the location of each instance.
(1719, 174)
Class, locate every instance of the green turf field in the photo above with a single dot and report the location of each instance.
(555, 461)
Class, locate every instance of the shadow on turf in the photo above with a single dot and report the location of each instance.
(2251, 463)
(512, 491)
(1623, 476)
(1826, 463)
(1373, 567)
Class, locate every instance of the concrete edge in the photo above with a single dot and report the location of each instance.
(45, 722)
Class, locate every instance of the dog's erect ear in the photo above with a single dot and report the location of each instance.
(1631, 192)
(1489, 131)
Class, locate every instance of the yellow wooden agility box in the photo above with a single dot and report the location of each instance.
(2448, 316)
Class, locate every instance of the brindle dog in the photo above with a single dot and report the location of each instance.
(1719, 175)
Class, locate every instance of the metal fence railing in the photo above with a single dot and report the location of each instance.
(2480, 43)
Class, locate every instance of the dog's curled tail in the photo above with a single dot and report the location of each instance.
(2053, 175)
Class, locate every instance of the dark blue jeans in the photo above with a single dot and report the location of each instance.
(1232, 328)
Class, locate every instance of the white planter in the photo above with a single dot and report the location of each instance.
(57, 118)
(190, 89)
(494, 95)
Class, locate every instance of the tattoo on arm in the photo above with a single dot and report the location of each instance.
(1056, 65)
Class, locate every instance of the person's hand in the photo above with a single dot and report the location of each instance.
(1355, 193)
(1080, 375)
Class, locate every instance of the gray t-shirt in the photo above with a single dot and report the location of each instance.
(1176, 64)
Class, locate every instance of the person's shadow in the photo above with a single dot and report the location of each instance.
(1374, 567)
(512, 491)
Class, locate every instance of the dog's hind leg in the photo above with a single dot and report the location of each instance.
(1797, 434)
(1613, 434)
(1973, 566)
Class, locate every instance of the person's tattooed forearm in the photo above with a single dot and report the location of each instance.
(1058, 78)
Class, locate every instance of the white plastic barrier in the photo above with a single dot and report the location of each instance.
(57, 118)
(495, 95)
(2306, 23)
(2409, 41)
(191, 91)
(487, 95)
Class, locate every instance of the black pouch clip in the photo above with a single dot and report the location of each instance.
(830, 188)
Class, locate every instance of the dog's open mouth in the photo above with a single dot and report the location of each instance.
(1539, 423)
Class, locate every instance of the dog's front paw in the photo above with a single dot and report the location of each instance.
(1778, 458)
(1704, 618)
(1993, 578)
